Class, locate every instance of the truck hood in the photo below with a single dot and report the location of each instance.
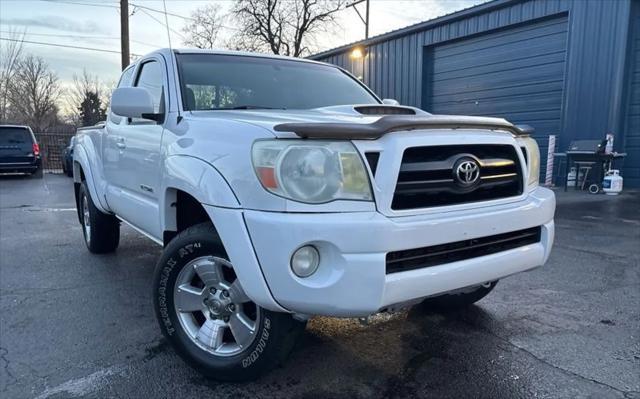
(346, 122)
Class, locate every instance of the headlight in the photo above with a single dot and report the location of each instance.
(533, 160)
(311, 171)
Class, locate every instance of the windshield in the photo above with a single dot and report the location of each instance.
(212, 81)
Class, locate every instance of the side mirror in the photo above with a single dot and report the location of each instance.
(133, 102)
(390, 101)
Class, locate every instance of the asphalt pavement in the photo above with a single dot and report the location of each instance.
(73, 324)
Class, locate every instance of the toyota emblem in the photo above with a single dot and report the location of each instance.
(467, 172)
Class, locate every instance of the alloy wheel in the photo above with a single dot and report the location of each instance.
(212, 307)
(86, 219)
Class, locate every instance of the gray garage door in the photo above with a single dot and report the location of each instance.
(516, 74)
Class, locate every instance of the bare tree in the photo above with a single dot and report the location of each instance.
(84, 86)
(10, 55)
(282, 26)
(33, 93)
(204, 27)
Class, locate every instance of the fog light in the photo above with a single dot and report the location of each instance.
(305, 261)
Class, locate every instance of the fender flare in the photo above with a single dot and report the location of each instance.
(81, 160)
(197, 178)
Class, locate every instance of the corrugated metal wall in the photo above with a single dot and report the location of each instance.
(631, 170)
(515, 73)
(592, 103)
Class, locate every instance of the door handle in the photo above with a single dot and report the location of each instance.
(120, 143)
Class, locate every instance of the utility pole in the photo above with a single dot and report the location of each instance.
(364, 20)
(366, 24)
(124, 32)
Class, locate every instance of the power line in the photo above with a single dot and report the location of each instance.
(82, 37)
(63, 45)
(143, 9)
(162, 23)
(81, 3)
(162, 12)
(178, 15)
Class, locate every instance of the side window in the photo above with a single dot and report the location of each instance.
(151, 78)
(125, 79)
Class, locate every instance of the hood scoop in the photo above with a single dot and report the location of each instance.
(383, 110)
(391, 123)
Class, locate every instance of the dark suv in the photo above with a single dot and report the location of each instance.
(19, 150)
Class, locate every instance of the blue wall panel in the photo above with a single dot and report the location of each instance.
(515, 73)
(631, 171)
(595, 70)
(594, 86)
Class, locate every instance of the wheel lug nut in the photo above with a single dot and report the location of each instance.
(212, 290)
(226, 319)
(225, 293)
(232, 307)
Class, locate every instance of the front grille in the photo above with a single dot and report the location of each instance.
(429, 176)
(419, 258)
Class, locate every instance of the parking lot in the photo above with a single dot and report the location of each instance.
(74, 324)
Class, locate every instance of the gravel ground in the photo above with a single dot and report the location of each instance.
(74, 324)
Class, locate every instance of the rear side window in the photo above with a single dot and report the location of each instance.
(14, 136)
(151, 78)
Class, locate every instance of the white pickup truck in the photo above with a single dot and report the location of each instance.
(283, 188)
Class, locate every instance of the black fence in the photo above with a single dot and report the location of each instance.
(52, 146)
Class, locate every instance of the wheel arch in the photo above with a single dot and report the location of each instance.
(82, 172)
(189, 184)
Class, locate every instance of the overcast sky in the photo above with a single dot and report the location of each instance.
(96, 24)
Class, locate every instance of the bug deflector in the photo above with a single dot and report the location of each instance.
(391, 123)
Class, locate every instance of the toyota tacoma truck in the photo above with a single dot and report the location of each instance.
(282, 189)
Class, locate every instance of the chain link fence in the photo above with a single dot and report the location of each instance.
(52, 145)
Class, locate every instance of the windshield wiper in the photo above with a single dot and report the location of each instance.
(246, 107)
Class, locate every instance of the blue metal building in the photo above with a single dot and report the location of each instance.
(567, 67)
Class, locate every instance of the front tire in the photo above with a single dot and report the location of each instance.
(205, 314)
(458, 300)
(101, 231)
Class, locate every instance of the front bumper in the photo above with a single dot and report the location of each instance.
(351, 279)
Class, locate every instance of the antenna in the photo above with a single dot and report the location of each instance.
(166, 21)
(166, 24)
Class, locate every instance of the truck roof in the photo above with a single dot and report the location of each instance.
(167, 51)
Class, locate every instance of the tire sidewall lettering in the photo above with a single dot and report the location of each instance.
(260, 346)
(188, 249)
(163, 285)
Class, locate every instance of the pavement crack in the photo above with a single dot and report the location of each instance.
(545, 362)
(3, 356)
